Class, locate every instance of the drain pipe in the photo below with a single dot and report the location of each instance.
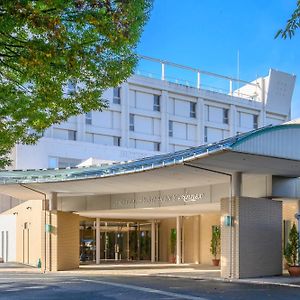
(230, 208)
(45, 215)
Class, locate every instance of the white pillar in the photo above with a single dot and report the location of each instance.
(127, 244)
(178, 240)
(80, 127)
(232, 120)
(125, 115)
(97, 241)
(200, 121)
(162, 71)
(152, 241)
(198, 80)
(236, 184)
(156, 241)
(164, 123)
(230, 88)
(262, 96)
(53, 201)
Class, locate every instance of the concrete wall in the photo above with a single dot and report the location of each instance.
(256, 238)
(8, 237)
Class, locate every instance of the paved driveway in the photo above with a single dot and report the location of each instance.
(26, 283)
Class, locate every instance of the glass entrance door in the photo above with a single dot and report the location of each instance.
(119, 241)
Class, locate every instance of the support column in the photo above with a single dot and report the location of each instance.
(152, 241)
(236, 184)
(105, 243)
(178, 240)
(127, 244)
(53, 201)
(97, 241)
(138, 242)
(156, 241)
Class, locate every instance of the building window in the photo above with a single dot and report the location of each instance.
(72, 135)
(117, 95)
(170, 128)
(193, 109)
(156, 103)
(156, 146)
(52, 162)
(117, 141)
(205, 135)
(88, 118)
(131, 122)
(206, 112)
(255, 121)
(225, 115)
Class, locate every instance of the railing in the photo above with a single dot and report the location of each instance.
(196, 78)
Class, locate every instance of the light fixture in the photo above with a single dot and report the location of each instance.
(28, 207)
(15, 213)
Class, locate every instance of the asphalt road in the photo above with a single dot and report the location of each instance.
(49, 286)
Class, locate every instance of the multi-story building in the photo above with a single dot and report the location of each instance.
(149, 115)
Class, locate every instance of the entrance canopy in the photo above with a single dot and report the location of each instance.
(270, 150)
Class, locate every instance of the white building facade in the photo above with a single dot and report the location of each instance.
(148, 116)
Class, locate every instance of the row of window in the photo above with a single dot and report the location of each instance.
(156, 102)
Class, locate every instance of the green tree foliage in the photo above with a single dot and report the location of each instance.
(293, 23)
(215, 243)
(292, 248)
(46, 45)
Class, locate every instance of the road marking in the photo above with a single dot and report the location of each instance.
(145, 289)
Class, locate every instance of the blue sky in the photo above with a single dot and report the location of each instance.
(207, 34)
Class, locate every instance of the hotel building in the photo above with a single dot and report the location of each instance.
(230, 170)
(151, 114)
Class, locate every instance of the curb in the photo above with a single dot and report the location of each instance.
(244, 281)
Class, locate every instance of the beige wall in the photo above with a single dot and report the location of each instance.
(289, 208)
(30, 237)
(165, 227)
(64, 240)
(196, 236)
(28, 231)
(206, 223)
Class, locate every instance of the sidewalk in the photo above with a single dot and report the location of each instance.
(284, 280)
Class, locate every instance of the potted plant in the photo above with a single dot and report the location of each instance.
(291, 252)
(172, 258)
(215, 245)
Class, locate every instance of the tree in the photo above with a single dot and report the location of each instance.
(293, 23)
(292, 248)
(47, 45)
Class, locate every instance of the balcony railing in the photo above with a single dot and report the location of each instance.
(196, 78)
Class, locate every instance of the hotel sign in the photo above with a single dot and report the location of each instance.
(156, 200)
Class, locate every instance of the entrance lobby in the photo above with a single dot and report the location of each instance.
(119, 241)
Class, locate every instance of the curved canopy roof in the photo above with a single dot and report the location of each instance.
(280, 141)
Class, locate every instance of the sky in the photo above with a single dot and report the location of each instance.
(208, 34)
